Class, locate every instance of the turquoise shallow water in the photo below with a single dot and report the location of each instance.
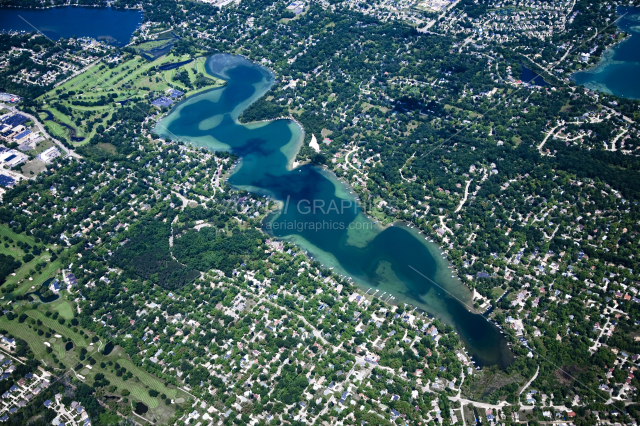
(319, 214)
(111, 25)
(618, 70)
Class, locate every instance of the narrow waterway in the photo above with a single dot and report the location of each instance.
(319, 214)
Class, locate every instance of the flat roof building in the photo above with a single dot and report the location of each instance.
(49, 154)
(11, 158)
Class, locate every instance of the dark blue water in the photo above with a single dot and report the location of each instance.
(533, 78)
(108, 348)
(619, 68)
(43, 288)
(319, 213)
(174, 65)
(111, 25)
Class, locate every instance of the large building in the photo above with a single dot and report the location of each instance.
(7, 181)
(49, 154)
(8, 97)
(10, 158)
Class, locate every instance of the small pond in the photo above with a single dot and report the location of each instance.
(141, 408)
(108, 348)
(167, 67)
(38, 293)
(532, 78)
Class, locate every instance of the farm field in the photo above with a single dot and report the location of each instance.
(84, 105)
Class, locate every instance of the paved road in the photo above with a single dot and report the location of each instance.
(530, 381)
(551, 132)
(66, 151)
(464, 199)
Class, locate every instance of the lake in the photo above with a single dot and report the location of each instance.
(101, 23)
(535, 79)
(618, 69)
(319, 213)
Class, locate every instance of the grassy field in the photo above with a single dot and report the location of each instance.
(138, 385)
(26, 278)
(133, 79)
(41, 147)
(5, 231)
(63, 330)
(36, 343)
(155, 48)
(63, 307)
(33, 167)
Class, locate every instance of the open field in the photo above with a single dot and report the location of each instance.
(56, 130)
(63, 308)
(5, 231)
(41, 147)
(21, 278)
(22, 331)
(76, 338)
(155, 48)
(50, 270)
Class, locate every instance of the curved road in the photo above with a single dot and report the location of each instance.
(66, 151)
(464, 199)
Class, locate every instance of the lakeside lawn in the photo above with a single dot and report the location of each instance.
(102, 89)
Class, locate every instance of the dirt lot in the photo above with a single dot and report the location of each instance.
(33, 167)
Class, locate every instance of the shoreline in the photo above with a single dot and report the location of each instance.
(606, 59)
(435, 303)
(72, 5)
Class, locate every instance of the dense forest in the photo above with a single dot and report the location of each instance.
(208, 248)
(147, 254)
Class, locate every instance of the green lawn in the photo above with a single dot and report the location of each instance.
(64, 308)
(124, 81)
(56, 130)
(22, 331)
(147, 379)
(5, 231)
(41, 147)
(138, 386)
(62, 354)
(63, 330)
(11, 250)
(22, 275)
(38, 278)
